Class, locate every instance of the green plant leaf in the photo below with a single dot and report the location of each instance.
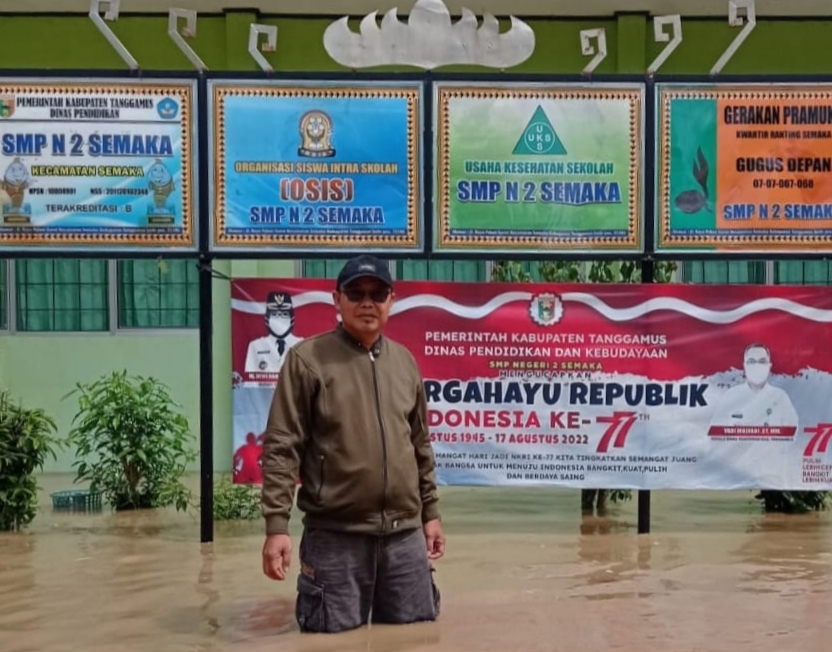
(236, 502)
(26, 440)
(133, 443)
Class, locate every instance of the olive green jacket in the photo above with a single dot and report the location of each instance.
(352, 424)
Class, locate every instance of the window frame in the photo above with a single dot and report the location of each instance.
(113, 328)
(11, 291)
(133, 330)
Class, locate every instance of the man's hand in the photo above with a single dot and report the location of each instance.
(277, 555)
(434, 538)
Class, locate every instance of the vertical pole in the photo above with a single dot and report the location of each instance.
(427, 170)
(647, 275)
(644, 511)
(647, 262)
(206, 329)
(206, 401)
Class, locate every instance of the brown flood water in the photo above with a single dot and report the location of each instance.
(523, 571)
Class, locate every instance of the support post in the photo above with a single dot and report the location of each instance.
(644, 511)
(647, 277)
(206, 337)
(648, 270)
(206, 400)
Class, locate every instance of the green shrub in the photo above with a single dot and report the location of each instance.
(236, 502)
(131, 442)
(26, 439)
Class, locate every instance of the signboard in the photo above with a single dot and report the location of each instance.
(744, 168)
(538, 167)
(585, 386)
(97, 164)
(316, 166)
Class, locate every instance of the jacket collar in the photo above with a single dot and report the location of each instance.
(375, 349)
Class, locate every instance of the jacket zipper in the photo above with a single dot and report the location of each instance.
(383, 443)
(321, 481)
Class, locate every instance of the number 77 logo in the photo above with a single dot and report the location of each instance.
(821, 434)
(620, 424)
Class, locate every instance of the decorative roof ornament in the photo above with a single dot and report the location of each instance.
(429, 40)
(113, 7)
(735, 20)
(255, 31)
(178, 35)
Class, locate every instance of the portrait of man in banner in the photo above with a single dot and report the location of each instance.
(266, 354)
(755, 402)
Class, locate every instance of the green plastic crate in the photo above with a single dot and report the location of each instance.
(84, 500)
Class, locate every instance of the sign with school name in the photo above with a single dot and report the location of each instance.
(744, 167)
(311, 166)
(538, 167)
(107, 164)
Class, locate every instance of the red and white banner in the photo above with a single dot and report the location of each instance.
(584, 385)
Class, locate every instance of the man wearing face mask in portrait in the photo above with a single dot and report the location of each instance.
(266, 354)
(756, 402)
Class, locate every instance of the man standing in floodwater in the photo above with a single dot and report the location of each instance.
(349, 415)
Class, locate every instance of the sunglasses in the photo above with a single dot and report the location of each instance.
(379, 295)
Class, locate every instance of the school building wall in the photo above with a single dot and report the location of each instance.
(74, 320)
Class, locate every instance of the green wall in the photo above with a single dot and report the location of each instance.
(41, 369)
(775, 46)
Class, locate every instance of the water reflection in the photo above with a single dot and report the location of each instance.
(18, 585)
(785, 548)
(524, 570)
(205, 587)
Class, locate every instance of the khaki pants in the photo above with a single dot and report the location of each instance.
(348, 579)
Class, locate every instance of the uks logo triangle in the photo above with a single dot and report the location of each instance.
(539, 137)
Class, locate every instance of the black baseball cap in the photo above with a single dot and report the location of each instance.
(362, 266)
